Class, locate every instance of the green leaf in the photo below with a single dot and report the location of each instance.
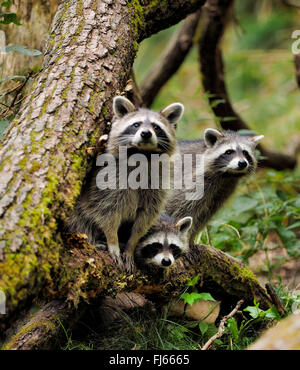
(254, 311)
(21, 49)
(233, 328)
(193, 297)
(9, 18)
(272, 313)
(193, 281)
(6, 3)
(203, 326)
(293, 226)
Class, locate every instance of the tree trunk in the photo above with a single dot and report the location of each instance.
(43, 158)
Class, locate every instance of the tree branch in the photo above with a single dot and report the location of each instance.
(222, 326)
(217, 13)
(170, 60)
(91, 273)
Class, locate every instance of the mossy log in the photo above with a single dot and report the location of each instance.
(43, 329)
(92, 274)
(284, 336)
(43, 157)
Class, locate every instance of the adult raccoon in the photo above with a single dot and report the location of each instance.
(227, 157)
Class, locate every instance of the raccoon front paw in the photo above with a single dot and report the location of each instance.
(128, 263)
(114, 252)
(117, 260)
(101, 246)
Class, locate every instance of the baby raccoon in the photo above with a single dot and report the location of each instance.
(164, 243)
(103, 210)
(227, 157)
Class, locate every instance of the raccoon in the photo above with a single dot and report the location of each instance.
(228, 157)
(103, 211)
(164, 242)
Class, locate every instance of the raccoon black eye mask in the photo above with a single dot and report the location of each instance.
(165, 242)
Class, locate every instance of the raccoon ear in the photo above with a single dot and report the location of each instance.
(256, 139)
(184, 224)
(211, 136)
(122, 106)
(173, 112)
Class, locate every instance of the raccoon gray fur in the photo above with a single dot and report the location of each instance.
(99, 212)
(228, 157)
(164, 242)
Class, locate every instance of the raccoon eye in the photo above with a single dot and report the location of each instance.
(175, 250)
(136, 124)
(156, 127)
(229, 151)
(245, 153)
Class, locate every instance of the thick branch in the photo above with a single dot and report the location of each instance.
(213, 79)
(91, 273)
(44, 329)
(43, 158)
(170, 60)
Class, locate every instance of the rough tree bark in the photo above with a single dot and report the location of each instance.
(43, 158)
(216, 15)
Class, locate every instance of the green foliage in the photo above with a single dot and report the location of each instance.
(8, 18)
(194, 296)
(270, 205)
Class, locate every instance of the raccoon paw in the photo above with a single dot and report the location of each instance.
(129, 263)
(114, 252)
(117, 260)
(101, 246)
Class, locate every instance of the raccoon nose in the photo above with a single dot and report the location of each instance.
(166, 261)
(242, 164)
(146, 134)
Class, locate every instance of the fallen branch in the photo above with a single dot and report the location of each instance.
(90, 274)
(170, 60)
(44, 329)
(221, 328)
(216, 14)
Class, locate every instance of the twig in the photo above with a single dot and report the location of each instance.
(21, 86)
(222, 326)
(275, 299)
